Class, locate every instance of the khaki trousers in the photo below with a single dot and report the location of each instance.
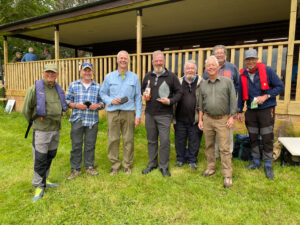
(213, 128)
(120, 122)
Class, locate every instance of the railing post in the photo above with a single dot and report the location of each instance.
(5, 53)
(139, 42)
(5, 59)
(56, 41)
(290, 53)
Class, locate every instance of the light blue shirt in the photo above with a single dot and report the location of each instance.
(29, 57)
(115, 87)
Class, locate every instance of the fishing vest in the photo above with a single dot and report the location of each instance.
(41, 98)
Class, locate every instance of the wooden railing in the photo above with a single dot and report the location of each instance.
(20, 76)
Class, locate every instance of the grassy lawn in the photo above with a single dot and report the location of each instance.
(184, 198)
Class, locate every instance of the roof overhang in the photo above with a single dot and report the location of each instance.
(107, 20)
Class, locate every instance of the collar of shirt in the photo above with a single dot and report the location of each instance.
(194, 78)
(209, 81)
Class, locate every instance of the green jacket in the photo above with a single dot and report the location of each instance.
(52, 121)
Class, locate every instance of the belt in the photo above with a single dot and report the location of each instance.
(217, 117)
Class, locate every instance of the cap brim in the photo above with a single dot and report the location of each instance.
(84, 67)
(55, 71)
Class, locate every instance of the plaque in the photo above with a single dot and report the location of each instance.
(164, 90)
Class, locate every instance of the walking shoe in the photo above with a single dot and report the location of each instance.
(165, 172)
(50, 184)
(91, 171)
(39, 192)
(208, 172)
(127, 170)
(193, 166)
(148, 170)
(269, 172)
(113, 172)
(74, 174)
(227, 182)
(179, 164)
(252, 166)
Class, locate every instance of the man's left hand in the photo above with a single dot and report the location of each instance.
(230, 122)
(94, 106)
(164, 101)
(261, 99)
(137, 121)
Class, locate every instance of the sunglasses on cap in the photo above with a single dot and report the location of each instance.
(86, 64)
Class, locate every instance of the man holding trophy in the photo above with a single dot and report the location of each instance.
(165, 91)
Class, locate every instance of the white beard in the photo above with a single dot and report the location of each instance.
(158, 69)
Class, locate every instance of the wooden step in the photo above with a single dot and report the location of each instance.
(3, 99)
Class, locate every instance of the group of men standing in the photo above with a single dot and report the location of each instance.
(195, 106)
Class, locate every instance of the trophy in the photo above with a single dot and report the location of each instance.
(164, 90)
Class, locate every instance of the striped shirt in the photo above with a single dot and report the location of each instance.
(77, 93)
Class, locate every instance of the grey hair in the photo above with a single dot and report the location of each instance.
(191, 61)
(31, 50)
(212, 57)
(158, 52)
(122, 51)
(216, 47)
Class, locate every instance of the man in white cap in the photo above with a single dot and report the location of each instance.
(258, 86)
(43, 106)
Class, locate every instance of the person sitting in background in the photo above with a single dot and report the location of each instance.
(46, 55)
(17, 58)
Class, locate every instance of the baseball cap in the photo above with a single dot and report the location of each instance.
(50, 67)
(86, 65)
(251, 53)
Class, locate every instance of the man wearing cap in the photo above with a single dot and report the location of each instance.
(43, 106)
(83, 97)
(229, 70)
(258, 87)
(217, 107)
(17, 58)
(121, 92)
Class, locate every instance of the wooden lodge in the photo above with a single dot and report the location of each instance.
(182, 29)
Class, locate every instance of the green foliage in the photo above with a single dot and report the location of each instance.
(184, 198)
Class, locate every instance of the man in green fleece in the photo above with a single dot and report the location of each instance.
(43, 106)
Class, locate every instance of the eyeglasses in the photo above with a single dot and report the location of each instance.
(156, 79)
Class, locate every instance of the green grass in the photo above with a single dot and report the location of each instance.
(184, 198)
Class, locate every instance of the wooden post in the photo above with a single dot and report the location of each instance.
(139, 41)
(56, 41)
(290, 52)
(5, 53)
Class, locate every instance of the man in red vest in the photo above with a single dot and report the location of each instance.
(258, 86)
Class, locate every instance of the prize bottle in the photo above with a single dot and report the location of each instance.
(148, 91)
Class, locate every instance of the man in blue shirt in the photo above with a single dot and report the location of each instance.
(229, 70)
(258, 86)
(83, 97)
(122, 93)
(30, 56)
